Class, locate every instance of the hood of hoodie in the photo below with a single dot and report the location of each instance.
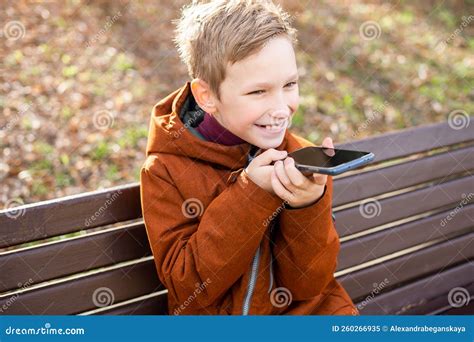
(171, 131)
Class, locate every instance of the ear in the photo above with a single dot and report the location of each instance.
(203, 95)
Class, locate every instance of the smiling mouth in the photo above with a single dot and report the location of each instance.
(271, 128)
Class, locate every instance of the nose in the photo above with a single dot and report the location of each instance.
(280, 110)
(280, 102)
(282, 96)
(280, 114)
(280, 117)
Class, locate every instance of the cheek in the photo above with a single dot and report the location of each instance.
(294, 100)
(249, 113)
(242, 119)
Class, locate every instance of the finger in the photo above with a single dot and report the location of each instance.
(328, 147)
(319, 178)
(327, 142)
(269, 156)
(296, 177)
(282, 176)
(279, 189)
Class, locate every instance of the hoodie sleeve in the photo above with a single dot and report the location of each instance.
(215, 248)
(306, 247)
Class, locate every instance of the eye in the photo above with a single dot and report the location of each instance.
(291, 84)
(257, 92)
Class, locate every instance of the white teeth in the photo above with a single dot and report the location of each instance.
(272, 127)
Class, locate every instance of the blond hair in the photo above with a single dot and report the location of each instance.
(211, 34)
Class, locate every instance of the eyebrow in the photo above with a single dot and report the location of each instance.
(265, 84)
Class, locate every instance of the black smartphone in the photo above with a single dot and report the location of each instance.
(329, 161)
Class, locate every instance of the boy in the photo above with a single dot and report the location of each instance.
(234, 227)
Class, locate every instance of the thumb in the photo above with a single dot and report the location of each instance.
(319, 178)
(327, 142)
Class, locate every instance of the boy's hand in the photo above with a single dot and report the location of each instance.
(295, 188)
(259, 169)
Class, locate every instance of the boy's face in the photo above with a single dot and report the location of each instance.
(259, 95)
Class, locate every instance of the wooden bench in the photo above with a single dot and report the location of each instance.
(405, 222)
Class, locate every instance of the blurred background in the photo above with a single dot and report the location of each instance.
(78, 80)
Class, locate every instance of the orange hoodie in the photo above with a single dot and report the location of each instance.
(223, 245)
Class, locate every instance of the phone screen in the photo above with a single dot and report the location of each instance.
(325, 157)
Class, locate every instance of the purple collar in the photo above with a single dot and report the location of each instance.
(213, 131)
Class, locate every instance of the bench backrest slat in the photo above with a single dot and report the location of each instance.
(412, 140)
(375, 213)
(61, 216)
(387, 241)
(425, 261)
(86, 252)
(403, 175)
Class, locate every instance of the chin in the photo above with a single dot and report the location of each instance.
(266, 144)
